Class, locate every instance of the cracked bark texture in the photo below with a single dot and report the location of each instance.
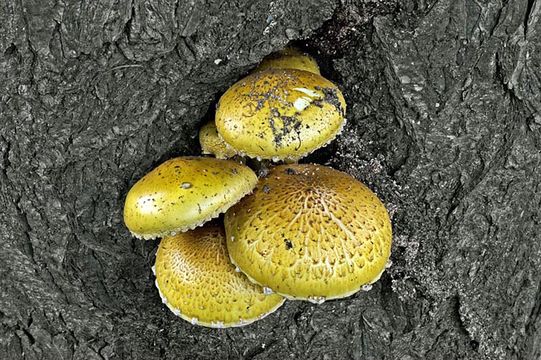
(444, 122)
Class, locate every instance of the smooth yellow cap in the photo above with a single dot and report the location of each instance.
(310, 232)
(183, 193)
(212, 144)
(198, 282)
(280, 114)
(289, 58)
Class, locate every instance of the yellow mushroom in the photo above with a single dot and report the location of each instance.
(184, 193)
(212, 144)
(280, 114)
(197, 281)
(310, 232)
(289, 58)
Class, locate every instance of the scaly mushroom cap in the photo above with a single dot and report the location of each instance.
(183, 193)
(198, 282)
(280, 114)
(289, 58)
(212, 144)
(310, 232)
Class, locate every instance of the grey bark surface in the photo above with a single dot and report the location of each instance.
(444, 123)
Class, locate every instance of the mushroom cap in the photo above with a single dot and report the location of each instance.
(198, 282)
(280, 114)
(289, 58)
(309, 232)
(212, 143)
(183, 193)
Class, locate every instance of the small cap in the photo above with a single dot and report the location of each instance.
(198, 282)
(289, 58)
(184, 193)
(280, 114)
(310, 232)
(212, 144)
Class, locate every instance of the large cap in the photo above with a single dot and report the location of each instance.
(183, 193)
(212, 143)
(198, 282)
(289, 58)
(310, 232)
(280, 114)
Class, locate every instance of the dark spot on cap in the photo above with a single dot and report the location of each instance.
(331, 97)
(266, 189)
(288, 243)
(263, 172)
(290, 124)
(290, 171)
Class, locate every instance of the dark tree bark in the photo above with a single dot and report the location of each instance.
(444, 122)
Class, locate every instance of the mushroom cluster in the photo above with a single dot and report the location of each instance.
(300, 231)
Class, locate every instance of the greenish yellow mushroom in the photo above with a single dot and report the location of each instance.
(289, 58)
(212, 144)
(280, 114)
(197, 281)
(184, 193)
(309, 232)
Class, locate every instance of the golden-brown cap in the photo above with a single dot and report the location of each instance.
(289, 58)
(212, 144)
(198, 282)
(183, 193)
(280, 114)
(310, 232)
